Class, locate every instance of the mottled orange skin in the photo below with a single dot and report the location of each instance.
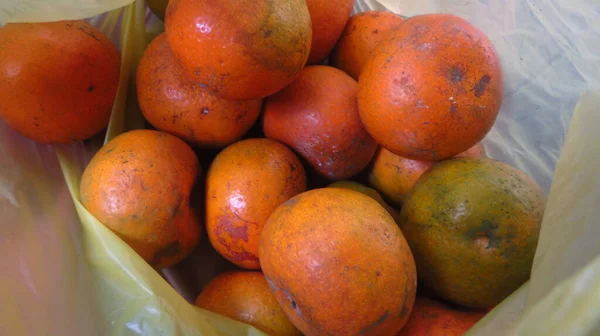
(393, 176)
(58, 80)
(431, 317)
(431, 89)
(244, 184)
(245, 296)
(338, 264)
(317, 116)
(240, 49)
(139, 186)
(173, 104)
(328, 18)
(362, 34)
(473, 226)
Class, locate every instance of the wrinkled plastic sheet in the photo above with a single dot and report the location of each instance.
(64, 273)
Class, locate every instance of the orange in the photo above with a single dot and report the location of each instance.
(317, 116)
(240, 49)
(244, 184)
(58, 80)
(173, 104)
(246, 297)
(473, 225)
(338, 264)
(431, 89)
(393, 176)
(328, 19)
(362, 34)
(139, 186)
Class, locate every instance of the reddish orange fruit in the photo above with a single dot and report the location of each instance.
(338, 264)
(393, 176)
(362, 34)
(139, 186)
(328, 18)
(318, 117)
(473, 226)
(246, 297)
(173, 104)
(244, 184)
(431, 317)
(240, 49)
(58, 80)
(432, 88)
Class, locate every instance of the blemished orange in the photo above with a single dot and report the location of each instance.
(473, 226)
(139, 186)
(173, 104)
(432, 88)
(317, 116)
(240, 49)
(244, 184)
(328, 19)
(360, 36)
(356, 186)
(245, 296)
(432, 317)
(58, 80)
(338, 264)
(393, 176)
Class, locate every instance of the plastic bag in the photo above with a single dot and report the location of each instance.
(66, 274)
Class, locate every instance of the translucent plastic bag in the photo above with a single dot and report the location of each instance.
(66, 274)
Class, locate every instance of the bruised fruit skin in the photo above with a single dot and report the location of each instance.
(244, 184)
(352, 185)
(245, 296)
(58, 80)
(139, 186)
(328, 18)
(393, 176)
(173, 104)
(318, 117)
(431, 317)
(338, 264)
(240, 49)
(473, 226)
(432, 88)
(362, 34)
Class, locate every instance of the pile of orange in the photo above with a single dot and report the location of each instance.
(348, 160)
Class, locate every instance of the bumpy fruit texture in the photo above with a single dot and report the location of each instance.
(338, 264)
(58, 80)
(473, 226)
(432, 88)
(139, 186)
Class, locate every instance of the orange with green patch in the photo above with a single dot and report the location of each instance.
(393, 176)
(244, 184)
(245, 296)
(173, 104)
(317, 116)
(338, 264)
(431, 317)
(58, 80)
(240, 49)
(431, 89)
(139, 186)
(360, 36)
(473, 225)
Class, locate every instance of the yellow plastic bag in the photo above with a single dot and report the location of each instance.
(64, 273)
